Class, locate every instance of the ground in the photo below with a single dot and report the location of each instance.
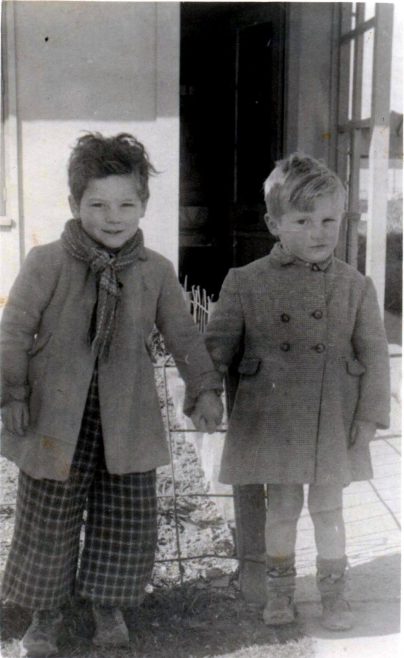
(192, 621)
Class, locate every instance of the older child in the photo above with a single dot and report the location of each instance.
(314, 379)
(80, 410)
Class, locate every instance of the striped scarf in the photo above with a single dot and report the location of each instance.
(105, 266)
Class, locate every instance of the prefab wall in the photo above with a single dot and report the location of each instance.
(77, 66)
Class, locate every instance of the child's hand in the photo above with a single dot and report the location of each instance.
(15, 417)
(361, 431)
(208, 412)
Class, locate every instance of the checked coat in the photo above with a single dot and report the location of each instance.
(46, 360)
(312, 356)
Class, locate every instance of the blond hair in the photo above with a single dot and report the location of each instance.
(296, 182)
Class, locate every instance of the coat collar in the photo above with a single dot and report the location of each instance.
(280, 258)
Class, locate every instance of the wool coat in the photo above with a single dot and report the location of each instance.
(46, 360)
(312, 356)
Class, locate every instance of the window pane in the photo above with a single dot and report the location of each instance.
(367, 64)
(353, 15)
(351, 76)
(370, 8)
(396, 99)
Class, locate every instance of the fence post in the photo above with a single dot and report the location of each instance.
(250, 512)
(249, 507)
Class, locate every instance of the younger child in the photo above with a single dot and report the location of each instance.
(314, 379)
(80, 410)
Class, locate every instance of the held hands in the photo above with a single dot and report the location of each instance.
(15, 417)
(208, 412)
(361, 432)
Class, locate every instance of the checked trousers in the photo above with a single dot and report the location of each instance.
(114, 515)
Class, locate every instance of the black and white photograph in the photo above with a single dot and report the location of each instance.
(201, 236)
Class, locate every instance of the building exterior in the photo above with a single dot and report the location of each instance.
(216, 91)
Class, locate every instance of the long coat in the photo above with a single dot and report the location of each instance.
(47, 361)
(312, 357)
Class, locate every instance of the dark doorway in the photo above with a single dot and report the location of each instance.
(231, 116)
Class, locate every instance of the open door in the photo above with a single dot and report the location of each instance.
(231, 122)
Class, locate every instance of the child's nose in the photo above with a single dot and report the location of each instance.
(113, 216)
(316, 231)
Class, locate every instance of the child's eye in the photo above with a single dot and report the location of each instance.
(301, 222)
(96, 204)
(128, 205)
(328, 220)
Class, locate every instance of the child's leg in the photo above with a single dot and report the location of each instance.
(285, 504)
(325, 507)
(42, 562)
(119, 549)
(41, 566)
(120, 538)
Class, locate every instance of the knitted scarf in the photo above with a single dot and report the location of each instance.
(105, 265)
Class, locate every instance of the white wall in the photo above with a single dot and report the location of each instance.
(106, 66)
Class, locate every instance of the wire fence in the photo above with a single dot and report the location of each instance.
(200, 306)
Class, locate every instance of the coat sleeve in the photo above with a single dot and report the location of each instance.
(184, 342)
(371, 348)
(225, 332)
(22, 314)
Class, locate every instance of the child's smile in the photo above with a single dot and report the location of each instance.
(311, 235)
(110, 209)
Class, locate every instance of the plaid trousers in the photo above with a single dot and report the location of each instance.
(45, 568)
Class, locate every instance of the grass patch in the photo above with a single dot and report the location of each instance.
(193, 621)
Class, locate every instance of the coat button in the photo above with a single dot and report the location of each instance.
(285, 317)
(315, 268)
(320, 347)
(285, 347)
(317, 314)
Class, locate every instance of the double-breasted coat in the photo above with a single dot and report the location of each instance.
(47, 361)
(312, 356)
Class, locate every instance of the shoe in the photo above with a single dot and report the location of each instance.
(279, 611)
(337, 614)
(41, 637)
(110, 627)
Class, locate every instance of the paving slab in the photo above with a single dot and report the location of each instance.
(376, 633)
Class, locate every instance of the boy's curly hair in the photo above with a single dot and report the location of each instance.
(296, 182)
(96, 156)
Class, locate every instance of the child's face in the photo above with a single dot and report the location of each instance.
(110, 209)
(310, 235)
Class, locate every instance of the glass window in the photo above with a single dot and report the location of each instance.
(367, 73)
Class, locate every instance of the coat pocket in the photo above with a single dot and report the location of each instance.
(355, 367)
(248, 366)
(39, 343)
